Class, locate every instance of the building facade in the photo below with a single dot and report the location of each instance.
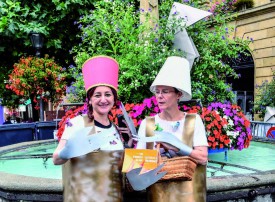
(258, 24)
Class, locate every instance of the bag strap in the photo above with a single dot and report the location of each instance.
(88, 122)
(187, 134)
(150, 127)
(189, 128)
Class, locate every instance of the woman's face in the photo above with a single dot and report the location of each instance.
(102, 100)
(166, 97)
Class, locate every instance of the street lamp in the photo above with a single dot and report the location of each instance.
(37, 41)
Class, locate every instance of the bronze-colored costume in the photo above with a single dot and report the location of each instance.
(93, 177)
(173, 191)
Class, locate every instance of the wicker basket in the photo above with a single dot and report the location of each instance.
(178, 168)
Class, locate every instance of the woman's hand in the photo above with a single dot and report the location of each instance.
(125, 131)
(167, 146)
(56, 159)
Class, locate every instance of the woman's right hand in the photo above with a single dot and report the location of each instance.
(56, 159)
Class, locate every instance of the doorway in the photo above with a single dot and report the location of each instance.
(243, 87)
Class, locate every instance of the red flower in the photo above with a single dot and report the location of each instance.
(30, 78)
(218, 119)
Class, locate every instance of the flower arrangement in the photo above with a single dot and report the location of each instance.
(225, 124)
(33, 76)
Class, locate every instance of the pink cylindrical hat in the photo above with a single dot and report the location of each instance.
(100, 71)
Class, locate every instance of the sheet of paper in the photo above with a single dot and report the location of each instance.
(136, 158)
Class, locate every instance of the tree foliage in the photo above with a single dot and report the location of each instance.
(54, 19)
(140, 56)
(113, 28)
(265, 96)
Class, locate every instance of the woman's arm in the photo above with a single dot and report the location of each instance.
(200, 154)
(56, 159)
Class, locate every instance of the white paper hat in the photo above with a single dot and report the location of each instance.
(190, 14)
(182, 41)
(175, 73)
(185, 43)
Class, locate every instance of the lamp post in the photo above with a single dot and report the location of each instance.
(37, 41)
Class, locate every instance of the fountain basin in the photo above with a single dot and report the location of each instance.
(16, 187)
(254, 185)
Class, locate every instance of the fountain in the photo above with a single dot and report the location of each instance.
(37, 179)
(24, 178)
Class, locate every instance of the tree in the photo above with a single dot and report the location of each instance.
(113, 28)
(140, 58)
(137, 47)
(54, 19)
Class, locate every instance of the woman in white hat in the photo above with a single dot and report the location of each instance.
(91, 144)
(173, 84)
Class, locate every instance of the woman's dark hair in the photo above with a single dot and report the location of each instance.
(90, 107)
(176, 90)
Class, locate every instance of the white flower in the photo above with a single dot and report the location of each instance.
(233, 134)
(230, 122)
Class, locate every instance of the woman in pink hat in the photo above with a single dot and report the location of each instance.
(91, 145)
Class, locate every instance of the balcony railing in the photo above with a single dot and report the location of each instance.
(260, 129)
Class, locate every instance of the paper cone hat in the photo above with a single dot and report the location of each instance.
(175, 73)
(185, 43)
(190, 14)
(100, 71)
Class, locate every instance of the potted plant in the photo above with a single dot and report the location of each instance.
(265, 97)
(35, 78)
(241, 5)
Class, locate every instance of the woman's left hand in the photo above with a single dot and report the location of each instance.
(167, 146)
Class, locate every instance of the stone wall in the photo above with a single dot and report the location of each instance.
(258, 23)
(261, 2)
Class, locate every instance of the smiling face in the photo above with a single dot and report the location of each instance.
(167, 97)
(102, 100)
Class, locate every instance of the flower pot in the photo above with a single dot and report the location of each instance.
(214, 151)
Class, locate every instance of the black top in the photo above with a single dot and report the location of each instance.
(101, 125)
